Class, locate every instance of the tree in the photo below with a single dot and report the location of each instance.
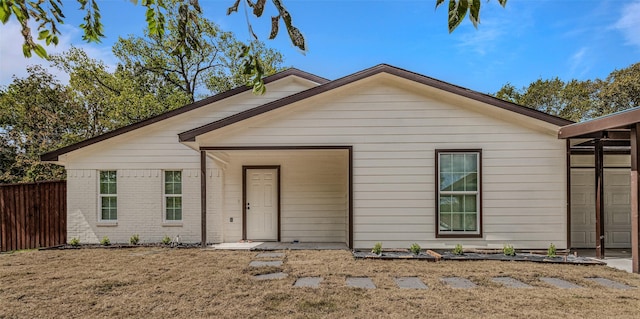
(49, 13)
(579, 100)
(620, 90)
(111, 100)
(37, 114)
(214, 63)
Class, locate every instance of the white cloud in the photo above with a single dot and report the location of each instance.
(578, 63)
(628, 23)
(13, 62)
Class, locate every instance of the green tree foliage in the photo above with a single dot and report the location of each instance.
(215, 64)
(579, 100)
(37, 114)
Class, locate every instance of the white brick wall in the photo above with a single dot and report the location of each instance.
(140, 207)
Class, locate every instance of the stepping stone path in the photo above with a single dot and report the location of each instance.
(609, 283)
(410, 283)
(510, 282)
(559, 283)
(266, 259)
(269, 263)
(270, 255)
(263, 263)
(310, 282)
(275, 275)
(457, 282)
(360, 282)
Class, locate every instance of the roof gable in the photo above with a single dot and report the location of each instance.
(189, 136)
(53, 156)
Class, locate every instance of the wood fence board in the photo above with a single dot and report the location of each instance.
(33, 215)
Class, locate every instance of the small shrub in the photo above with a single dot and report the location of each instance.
(551, 252)
(377, 248)
(105, 241)
(415, 248)
(75, 242)
(458, 250)
(508, 250)
(166, 240)
(135, 239)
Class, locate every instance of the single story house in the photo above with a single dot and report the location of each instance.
(381, 155)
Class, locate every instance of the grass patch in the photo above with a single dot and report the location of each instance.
(199, 283)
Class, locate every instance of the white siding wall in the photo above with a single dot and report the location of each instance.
(394, 132)
(314, 193)
(156, 146)
(140, 157)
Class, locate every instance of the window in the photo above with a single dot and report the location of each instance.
(173, 195)
(108, 196)
(458, 193)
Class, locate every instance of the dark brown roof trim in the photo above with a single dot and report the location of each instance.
(622, 119)
(189, 136)
(53, 156)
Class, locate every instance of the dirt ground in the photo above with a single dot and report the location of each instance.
(196, 283)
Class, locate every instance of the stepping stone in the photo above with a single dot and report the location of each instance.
(457, 282)
(410, 283)
(270, 255)
(559, 283)
(275, 275)
(311, 282)
(271, 263)
(609, 283)
(360, 282)
(510, 282)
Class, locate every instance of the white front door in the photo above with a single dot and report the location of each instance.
(261, 204)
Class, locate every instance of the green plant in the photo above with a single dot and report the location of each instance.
(458, 250)
(166, 240)
(75, 242)
(415, 248)
(508, 250)
(551, 252)
(105, 241)
(377, 248)
(135, 239)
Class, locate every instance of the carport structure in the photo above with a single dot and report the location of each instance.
(616, 130)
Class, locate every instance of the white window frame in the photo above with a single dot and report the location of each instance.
(165, 196)
(101, 196)
(478, 192)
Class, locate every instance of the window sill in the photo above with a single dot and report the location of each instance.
(458, 235)
(107, 224)
(171, 224)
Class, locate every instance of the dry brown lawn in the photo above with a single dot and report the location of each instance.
(195, 283)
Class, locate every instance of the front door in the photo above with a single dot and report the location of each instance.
(261, 203)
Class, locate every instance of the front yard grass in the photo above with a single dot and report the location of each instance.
(195, 283)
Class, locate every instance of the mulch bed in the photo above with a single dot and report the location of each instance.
(448, 255)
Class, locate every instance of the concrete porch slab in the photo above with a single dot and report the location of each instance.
(300, 246)
(236, 246)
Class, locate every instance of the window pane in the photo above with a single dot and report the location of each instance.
(445, 221)
(471, 222)
(470, 203)
(458, 163)
(471, 182)
(457, 203)
(457, 222)
(445, 162)
(470, 162)
(445, 203)
(174, 208)
(109, 207)
(458, 182)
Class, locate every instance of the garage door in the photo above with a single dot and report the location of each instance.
(617, 208)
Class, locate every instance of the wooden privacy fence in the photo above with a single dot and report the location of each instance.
(33, 215)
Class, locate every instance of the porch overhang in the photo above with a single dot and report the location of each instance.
(619, 130)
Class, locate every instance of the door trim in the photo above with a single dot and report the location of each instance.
(244, 196)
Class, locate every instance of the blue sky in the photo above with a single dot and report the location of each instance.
(527, 40)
